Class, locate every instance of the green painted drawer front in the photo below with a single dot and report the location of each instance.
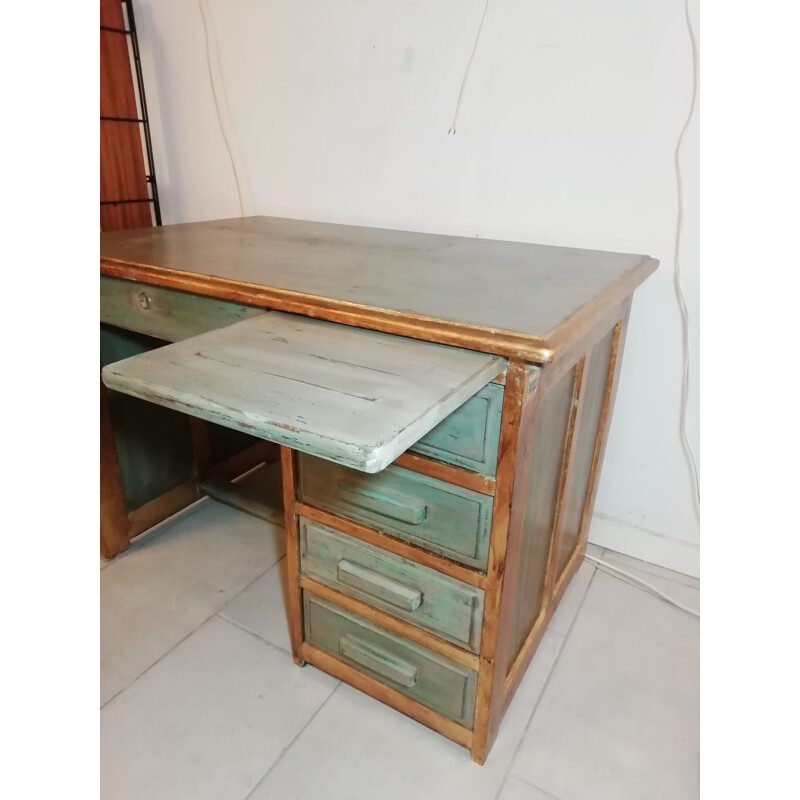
(417, 672)
(470, 435)
(433, 514)
(443, 605)
(165, 313)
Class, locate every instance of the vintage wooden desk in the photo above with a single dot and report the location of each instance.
(441, 407)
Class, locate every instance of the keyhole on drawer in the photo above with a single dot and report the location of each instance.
(144, 301)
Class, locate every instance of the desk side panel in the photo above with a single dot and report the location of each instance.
(595, 381)
(550, 433)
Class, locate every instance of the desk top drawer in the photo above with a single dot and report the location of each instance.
(165, 313)
(438, 516)
(470, 435)
(410, 591)
(417, 672)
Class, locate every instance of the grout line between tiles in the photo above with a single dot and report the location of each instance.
(297, 736)
(258, 636)
(191, 632)
(544, 688)
(242, 591)
(538, 788)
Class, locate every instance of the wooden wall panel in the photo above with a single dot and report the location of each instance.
(123, 175)
(117, 97)
(111, 14)
(127, 215)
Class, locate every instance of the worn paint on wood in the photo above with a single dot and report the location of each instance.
(289, 482)
(364, 268)
(394, 624)
(436, 515)
(594, 384)
(396, 585)
(429, 678)
(444, 472)
(419, 555)
(354, 397)
(516, 294)
(520, 381)
(550, 433)
(468, 437)
(165, 313)
(386, 694)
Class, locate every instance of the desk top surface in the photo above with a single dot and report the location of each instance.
(519, 298)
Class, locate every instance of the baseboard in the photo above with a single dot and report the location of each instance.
(646, 545)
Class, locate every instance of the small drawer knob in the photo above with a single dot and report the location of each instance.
(144, 300)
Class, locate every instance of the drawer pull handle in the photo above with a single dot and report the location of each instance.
(382, 504)
(379, 586)
(378, 660)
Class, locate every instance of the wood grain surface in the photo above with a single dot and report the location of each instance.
(514, 294)
(358, 398)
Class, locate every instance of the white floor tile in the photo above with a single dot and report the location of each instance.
(517, 789)
(357, 748)
(572, 599)
(208, 720)
(619, 716)
(261, 608)
(166, 585)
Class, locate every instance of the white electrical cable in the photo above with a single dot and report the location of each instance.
(678, 287)
(466, 71)
(645, 584)
(201, 5)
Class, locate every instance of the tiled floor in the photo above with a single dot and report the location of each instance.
(200, 697)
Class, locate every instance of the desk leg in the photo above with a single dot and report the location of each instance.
(292, 554)
(114, 528)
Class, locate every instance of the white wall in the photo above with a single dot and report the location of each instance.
(338, 110)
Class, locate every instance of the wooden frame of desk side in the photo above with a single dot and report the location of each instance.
(501, 663)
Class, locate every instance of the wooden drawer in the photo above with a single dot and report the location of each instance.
(417, 672)
(438, 516)
(165, 313)
(421, 595)
(470, 435)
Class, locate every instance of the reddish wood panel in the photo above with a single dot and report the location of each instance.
(111, 14)
(117, 96)
(128, 215)
(122, 164)
(122, 175)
